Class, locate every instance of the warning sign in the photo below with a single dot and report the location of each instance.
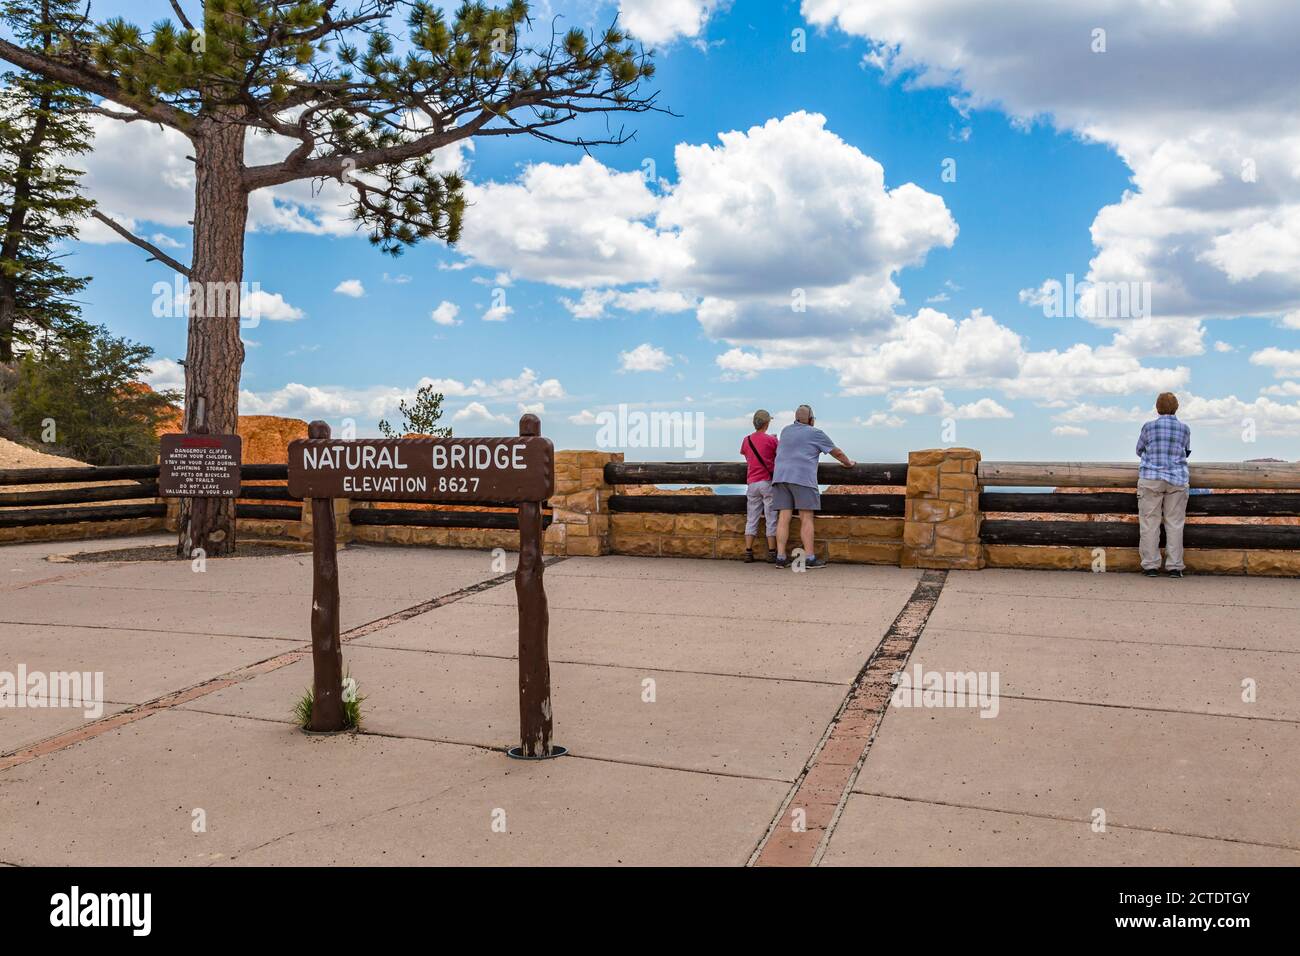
(199, 466)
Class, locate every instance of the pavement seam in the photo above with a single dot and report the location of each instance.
(1156, 710)
(1084, 820)
(53, 579)
(1125, 600)
(68, 738)
(352, 821)
(156, 630)
(827, 585)
(823, 786)
(502, 748)
(940, 628)
(626, 667)
(1003, 695)
(703, 617)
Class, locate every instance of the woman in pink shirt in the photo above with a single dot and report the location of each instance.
(759, 450)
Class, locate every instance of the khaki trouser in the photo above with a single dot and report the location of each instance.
(1157, 498)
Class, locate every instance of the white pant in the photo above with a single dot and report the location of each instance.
(758, 504)
(1157, 499)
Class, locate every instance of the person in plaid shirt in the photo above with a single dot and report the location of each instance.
(1162, 484)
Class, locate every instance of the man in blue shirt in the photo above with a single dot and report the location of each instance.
(794, 481)
(1162, 484)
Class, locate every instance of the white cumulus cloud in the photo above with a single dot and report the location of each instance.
(644, 358)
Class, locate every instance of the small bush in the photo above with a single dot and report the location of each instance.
(89, 388)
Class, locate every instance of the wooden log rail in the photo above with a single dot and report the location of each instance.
(410, 517)
(1074, 474)
(1092, 534)
(1242, 505)
(32, 508)
(875, 506)
(37, 517)
(53, 476)
(734, 473)
(720, 472)
(76, 496)
(34, 517)
(1119, 534)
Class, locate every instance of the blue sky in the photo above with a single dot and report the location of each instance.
(921, 310)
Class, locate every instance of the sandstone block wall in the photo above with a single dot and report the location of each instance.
(942, 520)
(854, 540)
(83, 530)
(940, 527)
(579, 508)
(1265, 563)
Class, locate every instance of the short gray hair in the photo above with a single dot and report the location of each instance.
(803, 414)
(762, 418)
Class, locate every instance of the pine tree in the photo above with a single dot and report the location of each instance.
(87, 389)
(42, 125)
(420, 417)
(364, 91)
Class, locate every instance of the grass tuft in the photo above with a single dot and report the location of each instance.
(351, 707)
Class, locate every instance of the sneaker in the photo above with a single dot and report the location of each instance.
(780, 561)
(749, 555)
(1150, 573)
(1176, 573)
(813, 564)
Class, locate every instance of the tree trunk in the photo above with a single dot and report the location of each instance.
(214, 353)
(8, 319)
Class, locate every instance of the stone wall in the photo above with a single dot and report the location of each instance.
(940, 527)
(579, 508)
(853, 540)
(942, 520)
(1266, 563)
(82, 530)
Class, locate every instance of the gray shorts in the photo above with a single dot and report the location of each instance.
(788, 497)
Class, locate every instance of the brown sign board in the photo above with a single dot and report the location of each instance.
(199, 466)
(423, 469)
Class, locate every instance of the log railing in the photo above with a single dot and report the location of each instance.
(1075, 474)
(21, 509)
(415, 518)
(734, 473)
(1213, 475)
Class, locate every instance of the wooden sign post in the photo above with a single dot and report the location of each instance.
(326, 649)
(518, 471)
(534, 628)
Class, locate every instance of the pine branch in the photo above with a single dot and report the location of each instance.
(180, 15)
(154, 252)
(125, 117)
(333, 166)
(91, 81)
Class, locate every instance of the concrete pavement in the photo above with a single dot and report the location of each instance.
(694, 696)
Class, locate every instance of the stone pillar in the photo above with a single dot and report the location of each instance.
(172, 522)
(343, 533)
(941, 526)
(580, 505)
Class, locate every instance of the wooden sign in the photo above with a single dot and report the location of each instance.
(423, 469)
(519, 470)
(199, 466)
